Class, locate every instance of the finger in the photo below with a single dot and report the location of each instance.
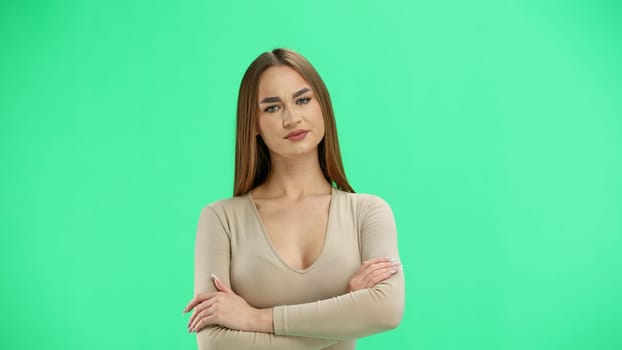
(204, 305)
(199, 298)
(197, 310)
(379, 276)
(372, 264)
(190, 305)
(373, 261)
(366, 264)
(377, 266)
(201, 315)
(371, 275)
(221, 286)
(204, 322)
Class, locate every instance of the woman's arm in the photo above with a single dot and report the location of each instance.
(360, 313)
(221, 338)
(212, 256)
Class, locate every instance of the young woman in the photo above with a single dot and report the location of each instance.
(296, 259)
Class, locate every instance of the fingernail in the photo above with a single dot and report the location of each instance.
(393, 271)
(390, 258)
(214, 277)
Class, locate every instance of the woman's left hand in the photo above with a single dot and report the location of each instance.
(224, 308)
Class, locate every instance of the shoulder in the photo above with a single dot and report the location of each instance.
(225, 207)
(224, 214)
(371, 212)
(364, 203)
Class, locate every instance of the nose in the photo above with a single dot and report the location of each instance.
(291, 118)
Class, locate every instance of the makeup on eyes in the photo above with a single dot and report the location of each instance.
(299, 101)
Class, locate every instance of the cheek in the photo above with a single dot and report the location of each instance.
(269, 127)
(317, 116)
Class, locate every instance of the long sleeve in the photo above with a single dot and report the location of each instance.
(212, 255)
(363, 312)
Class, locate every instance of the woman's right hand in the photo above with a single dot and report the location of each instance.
(373, 272)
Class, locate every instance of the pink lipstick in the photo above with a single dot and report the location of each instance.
(297, 135)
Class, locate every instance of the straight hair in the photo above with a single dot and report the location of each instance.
(252, 158)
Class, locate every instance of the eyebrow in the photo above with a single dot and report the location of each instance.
(277, 99)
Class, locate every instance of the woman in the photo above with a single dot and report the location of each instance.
(295, 260)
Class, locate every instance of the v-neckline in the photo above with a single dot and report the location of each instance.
(269, 241)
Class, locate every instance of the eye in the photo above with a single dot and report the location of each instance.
(303, 100)
(271, 109)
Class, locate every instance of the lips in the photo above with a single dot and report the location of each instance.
(297, 135)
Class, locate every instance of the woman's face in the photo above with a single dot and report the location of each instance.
(290, 118)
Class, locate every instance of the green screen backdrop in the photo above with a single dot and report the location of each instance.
(493, 129)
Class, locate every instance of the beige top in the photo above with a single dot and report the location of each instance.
(311, 308)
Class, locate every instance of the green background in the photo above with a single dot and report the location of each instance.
(493, 128)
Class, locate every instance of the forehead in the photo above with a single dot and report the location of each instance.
(279, 80)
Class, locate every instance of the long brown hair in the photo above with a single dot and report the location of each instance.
(252, 159)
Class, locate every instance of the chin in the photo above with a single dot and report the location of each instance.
(297, 152)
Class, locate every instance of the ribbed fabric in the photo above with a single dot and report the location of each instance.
(310, 307)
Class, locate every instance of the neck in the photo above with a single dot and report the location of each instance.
(295, 178)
